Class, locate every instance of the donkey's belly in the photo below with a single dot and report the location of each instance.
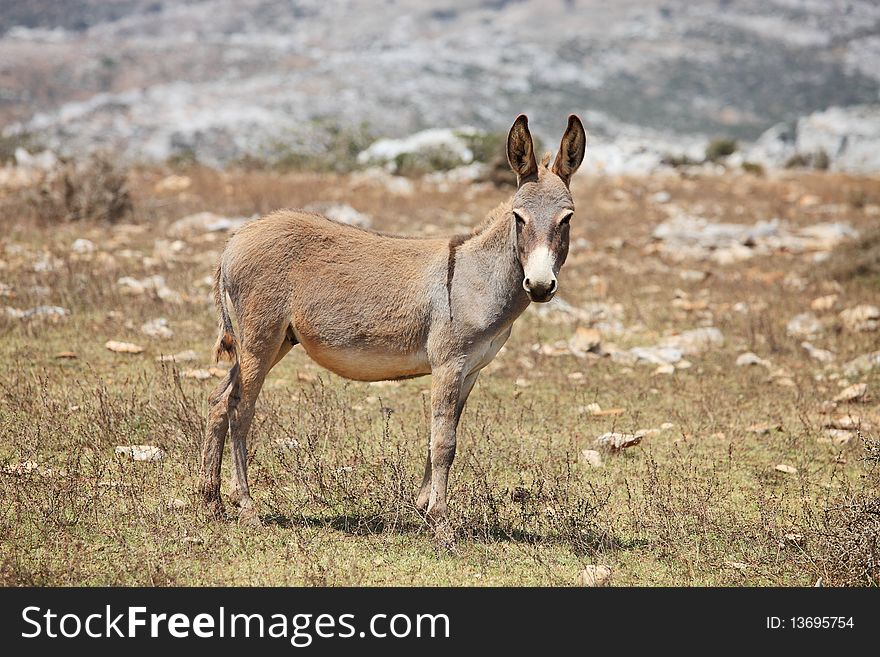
(368, 365)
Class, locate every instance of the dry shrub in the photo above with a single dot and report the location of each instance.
(545, 506)
(95, 189)
(720, 148)
(858, 260)
(842, 538)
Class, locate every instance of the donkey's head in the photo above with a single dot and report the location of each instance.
(542, 205)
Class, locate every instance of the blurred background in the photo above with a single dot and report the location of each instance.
(313, 84)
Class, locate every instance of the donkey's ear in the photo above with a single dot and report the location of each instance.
(571, 150)
(521, 151)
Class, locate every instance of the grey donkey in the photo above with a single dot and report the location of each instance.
(371, 306)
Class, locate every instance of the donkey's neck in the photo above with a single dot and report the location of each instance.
(495, 237)
(491, 269)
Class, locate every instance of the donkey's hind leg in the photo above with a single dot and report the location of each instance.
(255, 365)
(215, 437)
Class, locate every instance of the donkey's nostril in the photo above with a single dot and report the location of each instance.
(527, 284)
(553, 286)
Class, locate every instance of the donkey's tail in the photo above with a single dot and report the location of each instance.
(226, 347)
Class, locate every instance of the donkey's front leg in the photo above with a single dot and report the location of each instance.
(449, 390)
(424, 496)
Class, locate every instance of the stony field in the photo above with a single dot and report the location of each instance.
(700, 405)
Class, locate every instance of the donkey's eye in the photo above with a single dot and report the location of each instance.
(566, 218)
(520, 220)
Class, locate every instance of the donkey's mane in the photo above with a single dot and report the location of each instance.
(495, 214)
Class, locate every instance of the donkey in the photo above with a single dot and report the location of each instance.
(371, 306)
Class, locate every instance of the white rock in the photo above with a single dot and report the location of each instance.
(595, 576)
(151, 284)
(686, 236)
(591, 457)
(821, 355)
(693, 275)
(625, 358)
(845, 422)
(748, 358)
(805, 325)
(48, 312)
(617, 441)
(849, 135)
(157, 328)
(425, 143)
(180, 357)
(141, 285)
(787, 469)
(27, 468)
(694, 341)
(824, 304)
(204, 222)
(661, 197)
(173, 183)
(123, 347)
(656, 355)
(141, 452)
(862, 364)
(839, 437)
(83, 246)
(166, 250)
(198, 374)
(47, 263)
(855, 392)
(591, 409)
(822, 237)
(44, 160)
(861, 318)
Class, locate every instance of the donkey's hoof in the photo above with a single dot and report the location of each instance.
(248, 517)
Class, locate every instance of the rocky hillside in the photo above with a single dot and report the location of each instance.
(219, 79)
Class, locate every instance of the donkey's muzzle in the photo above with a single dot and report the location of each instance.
(540, 291)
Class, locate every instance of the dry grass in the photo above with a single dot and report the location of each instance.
(335, 464)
